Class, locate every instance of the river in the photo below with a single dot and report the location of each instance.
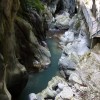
(38, 81)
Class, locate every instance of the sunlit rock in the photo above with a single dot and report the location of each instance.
(75, 78)
(62, 72)
(45, 51)
(32, 96)
(50, 91)
(66, 93)
(89, 71)
(62, 21)
(80, 87)
(61, 85)
(67, 37)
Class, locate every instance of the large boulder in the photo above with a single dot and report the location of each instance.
(66, 93)
(32, 96)
(60, 21)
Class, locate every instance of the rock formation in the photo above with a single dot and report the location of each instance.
(22, 45)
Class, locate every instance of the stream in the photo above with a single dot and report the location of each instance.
(38, 81)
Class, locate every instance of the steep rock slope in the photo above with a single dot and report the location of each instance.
(22, 45)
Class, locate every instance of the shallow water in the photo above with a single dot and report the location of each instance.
(38, 81)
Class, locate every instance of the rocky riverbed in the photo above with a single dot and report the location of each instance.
(79, 66)
(81, 84)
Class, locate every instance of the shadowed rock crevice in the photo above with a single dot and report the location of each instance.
(21, 47)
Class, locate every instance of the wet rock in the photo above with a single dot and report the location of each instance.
(45, 51)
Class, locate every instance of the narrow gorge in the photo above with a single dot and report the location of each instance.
(49, 50)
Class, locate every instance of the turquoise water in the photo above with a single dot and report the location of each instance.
(38, 81)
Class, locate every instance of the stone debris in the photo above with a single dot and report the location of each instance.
(75, 43)
(66, 93)
(59, 89)
(89, 71)
(61, 21)
(67, 37)
(83, 83)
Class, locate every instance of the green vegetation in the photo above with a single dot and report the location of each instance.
(77, 25)
(34, 4)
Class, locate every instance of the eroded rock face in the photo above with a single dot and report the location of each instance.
(39, 25)
(57, 6)
(89, 71)
(59, 12)
(12, 73)
(34, 54)
(20, 45)
(70, 6)
(60, 21)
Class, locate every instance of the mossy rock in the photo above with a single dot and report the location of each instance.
(77, 25)
(23, 23)
(33, 4)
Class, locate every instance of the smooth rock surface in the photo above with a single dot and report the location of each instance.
(32, 96)
(66, 93)
(75, 77)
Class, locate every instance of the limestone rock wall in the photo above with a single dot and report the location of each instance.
(22, 46)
